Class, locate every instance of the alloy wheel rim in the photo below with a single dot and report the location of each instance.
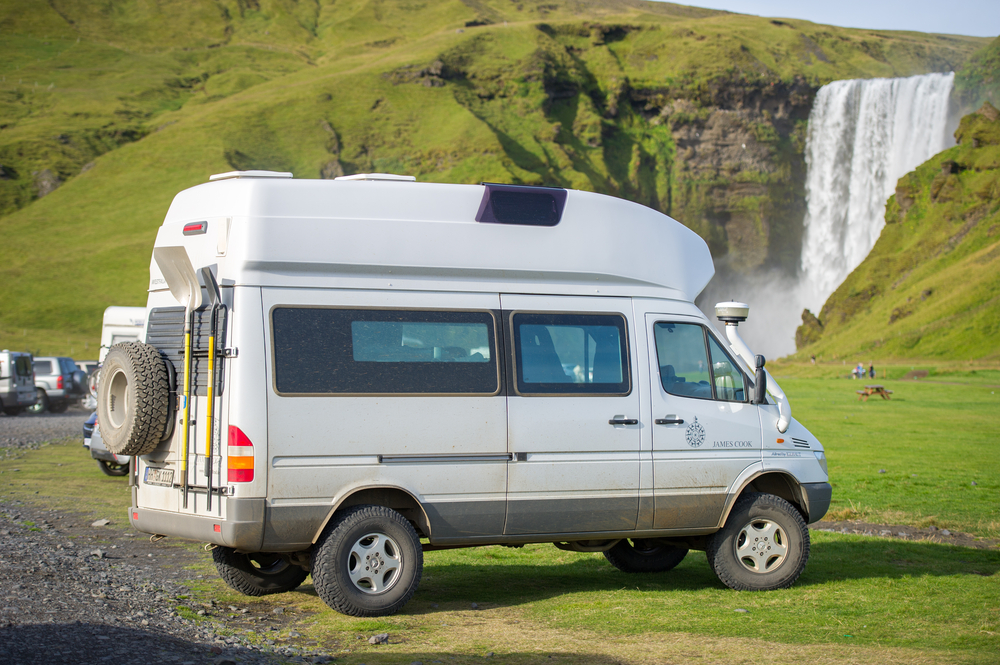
(761, 546)
(374, 563)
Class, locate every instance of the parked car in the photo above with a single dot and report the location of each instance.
(17, 382)
(109, 463)
(58, 383)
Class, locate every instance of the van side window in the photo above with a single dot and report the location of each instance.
(728, 379)
(685, 369)
(43, 367)
(680, 350)
(571, 354)
(356, 351)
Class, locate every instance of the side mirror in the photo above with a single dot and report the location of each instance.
(760, 382)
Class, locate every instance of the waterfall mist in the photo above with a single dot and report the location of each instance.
(864, 134)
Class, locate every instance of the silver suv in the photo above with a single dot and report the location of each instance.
(58, 383)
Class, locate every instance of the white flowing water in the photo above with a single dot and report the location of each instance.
(863, 136)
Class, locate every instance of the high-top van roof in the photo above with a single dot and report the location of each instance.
(372, 232)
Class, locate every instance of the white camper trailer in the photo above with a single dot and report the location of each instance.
(121, 324)
(339, 375)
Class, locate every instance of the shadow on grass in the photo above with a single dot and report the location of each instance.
(514, 579)
(46, 643)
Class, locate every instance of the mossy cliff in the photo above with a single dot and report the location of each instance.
(108, 109)
(930, 288)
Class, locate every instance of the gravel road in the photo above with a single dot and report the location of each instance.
(27, 431)
(72, 592)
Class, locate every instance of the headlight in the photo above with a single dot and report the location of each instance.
(821, 458)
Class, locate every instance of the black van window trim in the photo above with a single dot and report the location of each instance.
(497, 350)
(747, 384)
(514, 352)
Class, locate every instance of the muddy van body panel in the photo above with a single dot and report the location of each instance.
(453, 462)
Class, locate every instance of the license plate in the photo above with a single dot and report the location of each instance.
(156, 476)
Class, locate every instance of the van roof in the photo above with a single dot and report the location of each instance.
(381, 233)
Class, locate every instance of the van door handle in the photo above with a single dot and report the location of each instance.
(669, 420)
(618, 420)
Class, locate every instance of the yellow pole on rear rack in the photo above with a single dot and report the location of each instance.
(187, 403)
(208, 412)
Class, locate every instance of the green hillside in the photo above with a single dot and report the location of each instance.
(930, 288)
(108, 109)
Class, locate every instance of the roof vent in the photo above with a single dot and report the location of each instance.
(378, 176)
(250, 174)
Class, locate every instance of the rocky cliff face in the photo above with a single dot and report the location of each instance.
(739, 170)
(723, 155)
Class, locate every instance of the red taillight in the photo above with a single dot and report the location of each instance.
(195, 228)
(240, 459)
(59, 383)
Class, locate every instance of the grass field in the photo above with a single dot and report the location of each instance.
(860, 599)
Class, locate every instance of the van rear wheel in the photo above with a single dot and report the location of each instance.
(644, 555)
(368, 562)
(763, 546)
(257, 574)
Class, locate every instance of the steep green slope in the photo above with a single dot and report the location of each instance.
(107, 110)
(930, 288)
(979, 79)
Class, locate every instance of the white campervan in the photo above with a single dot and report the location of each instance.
(340, 375)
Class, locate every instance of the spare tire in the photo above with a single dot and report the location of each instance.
(132, 399)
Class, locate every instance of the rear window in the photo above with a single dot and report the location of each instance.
(43, 367)
(23, 365)
(352, 351)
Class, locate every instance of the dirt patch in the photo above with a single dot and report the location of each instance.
(929, 534)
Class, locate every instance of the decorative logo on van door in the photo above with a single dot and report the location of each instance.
(695, 434)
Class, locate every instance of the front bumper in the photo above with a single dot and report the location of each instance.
(243, 528)
(817, 496)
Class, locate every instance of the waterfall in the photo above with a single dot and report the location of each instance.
(864, 135)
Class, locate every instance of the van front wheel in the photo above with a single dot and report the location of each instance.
(368, 562)
(764, 545)
(257, 574)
